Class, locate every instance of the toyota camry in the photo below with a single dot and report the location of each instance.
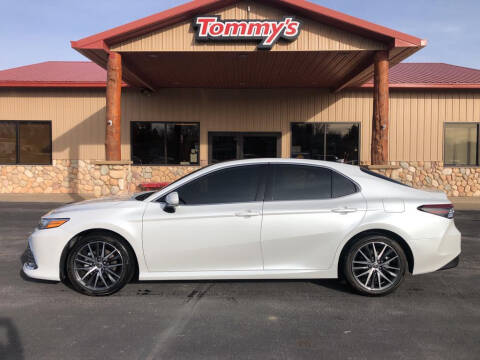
(251, 219)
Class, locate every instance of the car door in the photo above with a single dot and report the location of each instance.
(216, 226)
(307, 213)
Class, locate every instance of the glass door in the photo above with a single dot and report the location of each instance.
(235, 146)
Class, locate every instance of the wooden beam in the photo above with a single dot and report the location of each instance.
(363, 66)
(380, 109)
(135, 78)
(114, 96)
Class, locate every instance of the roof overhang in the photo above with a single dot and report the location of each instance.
(400, 45)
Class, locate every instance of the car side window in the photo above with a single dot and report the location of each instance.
(341, 186)
(231, 185)
(300, 182)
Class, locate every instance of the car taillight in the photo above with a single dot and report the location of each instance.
(444, 210)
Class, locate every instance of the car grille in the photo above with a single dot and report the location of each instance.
(29, 258)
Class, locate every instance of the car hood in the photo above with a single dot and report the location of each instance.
(94, 204)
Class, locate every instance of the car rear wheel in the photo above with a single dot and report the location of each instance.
(99, 265)
(375, 265)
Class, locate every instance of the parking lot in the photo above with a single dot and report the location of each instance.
(434, 316)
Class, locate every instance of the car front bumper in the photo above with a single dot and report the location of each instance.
(452, 264)
(44, 250)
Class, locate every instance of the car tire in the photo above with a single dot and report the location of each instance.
(99, 265)
(375, 265)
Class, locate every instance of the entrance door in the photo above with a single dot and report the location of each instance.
(235, 146)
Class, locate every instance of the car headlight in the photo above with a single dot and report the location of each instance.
(46, 223)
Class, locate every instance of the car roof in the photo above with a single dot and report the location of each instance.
(349, 170)
(330, 164)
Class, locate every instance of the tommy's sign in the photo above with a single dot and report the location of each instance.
(212, 28)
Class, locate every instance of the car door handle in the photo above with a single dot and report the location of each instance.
(248, 213)
(344, 210)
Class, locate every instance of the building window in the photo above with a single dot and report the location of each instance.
(461, 144)
(25, 142)
(326, 141)
(162, 143)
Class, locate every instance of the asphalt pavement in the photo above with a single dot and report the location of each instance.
(433, 316)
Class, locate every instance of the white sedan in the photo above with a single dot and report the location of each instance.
(251, 219)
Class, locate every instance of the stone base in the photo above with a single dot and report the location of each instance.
(84, 177)
(101, 179)
(454, 181)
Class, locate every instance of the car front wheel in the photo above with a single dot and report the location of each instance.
(375, 265)
(99, 265)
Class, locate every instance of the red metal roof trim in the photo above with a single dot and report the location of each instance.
(55, 74)
(188, 10)
(432, 75)
(57, 84)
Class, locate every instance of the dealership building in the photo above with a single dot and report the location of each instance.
(216, 80)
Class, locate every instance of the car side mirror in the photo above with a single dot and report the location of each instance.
(172, 200)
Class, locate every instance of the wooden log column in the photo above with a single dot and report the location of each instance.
(380, 109)
(114, 96)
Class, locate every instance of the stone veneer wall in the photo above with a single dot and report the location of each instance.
(454, 181)
(84, 177)
(102, 179)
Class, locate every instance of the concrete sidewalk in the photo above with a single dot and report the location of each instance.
(461, 203)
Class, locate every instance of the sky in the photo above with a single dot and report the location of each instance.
(33, 31)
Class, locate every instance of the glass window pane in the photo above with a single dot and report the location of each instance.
(234, 185)
(258, 146)
(341, 186)
(224, 148)
(296, 182)
(342, 143)
(461, 144)
(183, 144)
(148, 143)
(8, 143)
(308, 140)
(35, 143)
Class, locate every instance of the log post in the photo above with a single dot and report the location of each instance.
(114, 94)
(380, 109)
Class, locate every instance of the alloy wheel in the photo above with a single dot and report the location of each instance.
(376, 266)
(98, 265)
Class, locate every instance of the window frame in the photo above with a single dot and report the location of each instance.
(477, 160)
(17, 141)
(326, 123)
(165, 145)
(261, 186)
(268, 197)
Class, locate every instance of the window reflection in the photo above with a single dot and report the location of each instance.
(461, 144)
(160, 143)
(326, 141)
(25, 142)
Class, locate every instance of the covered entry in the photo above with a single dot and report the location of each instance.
(237, 84)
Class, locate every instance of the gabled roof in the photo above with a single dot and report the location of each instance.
(88, 74)
(432, 75)
(400, 45)
(189, 10)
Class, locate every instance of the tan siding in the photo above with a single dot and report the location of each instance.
(78, 116)
(314, 36)
(417, 119)
(247, 110)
